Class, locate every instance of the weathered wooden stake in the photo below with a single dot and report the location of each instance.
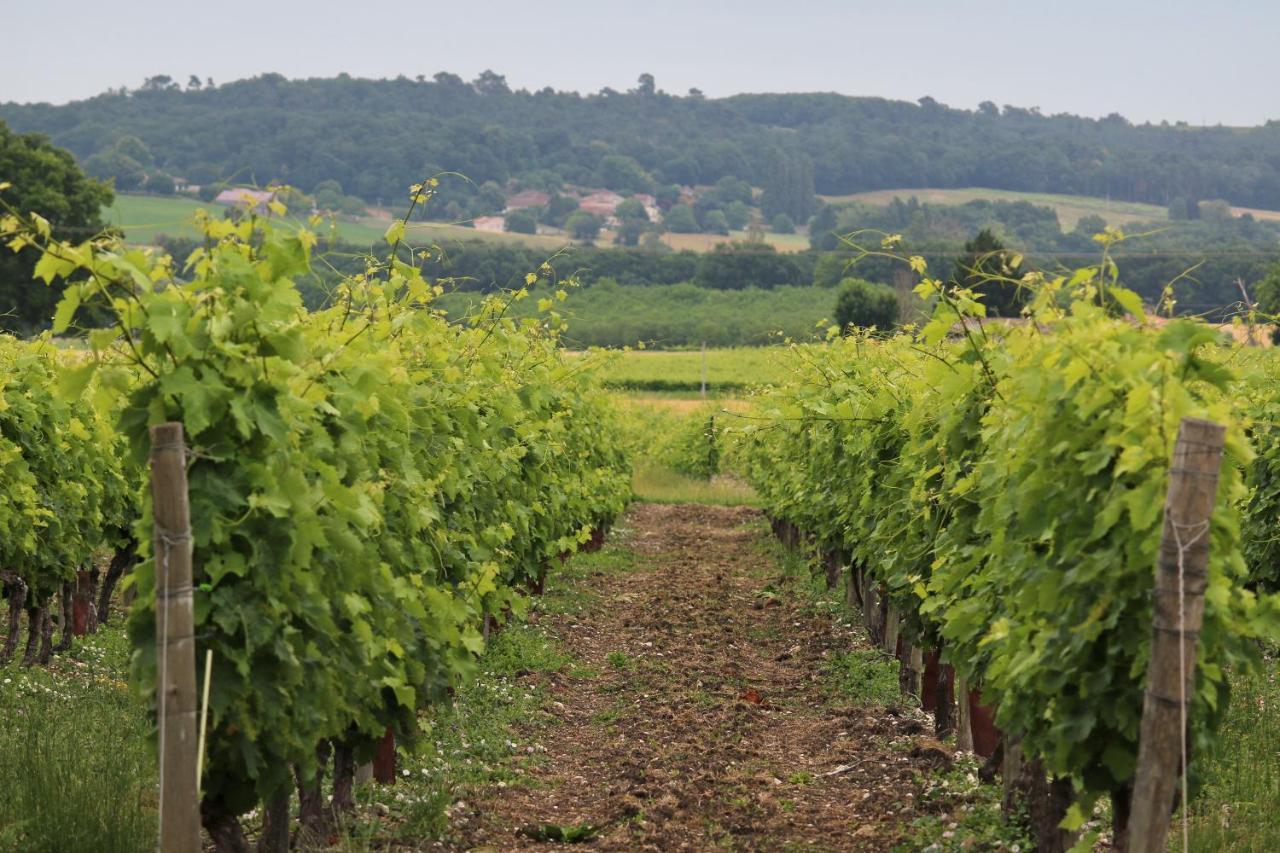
(175, 643)
(1177, 610)
(891, 632)
(964, 726)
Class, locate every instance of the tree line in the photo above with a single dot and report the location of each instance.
(305, 132)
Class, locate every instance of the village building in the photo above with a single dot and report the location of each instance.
(254, 200)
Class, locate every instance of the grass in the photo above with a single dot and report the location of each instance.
(670, 316)
(1240, 799)
(959, 812)
(145, 217)
(78, 770)
(1070, 208)
(727, 370)
(658, 484)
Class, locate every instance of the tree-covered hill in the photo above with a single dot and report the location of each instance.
(375, 137)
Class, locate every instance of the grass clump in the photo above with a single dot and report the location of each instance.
(1239, 800)
(78, 769)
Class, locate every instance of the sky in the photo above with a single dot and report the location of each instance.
(1200, 62)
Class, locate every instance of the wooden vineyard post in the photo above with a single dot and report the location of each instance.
(891, 632)
(175, 643)
(964, 726)
(1177, 611)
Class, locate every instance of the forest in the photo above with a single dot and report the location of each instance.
(305, 132)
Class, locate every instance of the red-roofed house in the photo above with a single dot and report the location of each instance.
(255, 200)
(490, 223)
(527, 199)
(602, 203)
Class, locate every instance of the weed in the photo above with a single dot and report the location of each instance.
(1239, 799)
(79, 773)
(865, 676)
(962, 813)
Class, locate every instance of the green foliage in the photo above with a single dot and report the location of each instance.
(681, 220)
(38, 178)
(79, 775)
(864, 304)
(782, 224)
(484, 129)
(735, 266)
(67, 490)
(624, 174)
(693, 448)
(989, 270)
(607, 314)
(583, 226)
(831, 268)
(738, 215)
(1006, 491)
(715, 222)
(367, 482)
(160, 184)
(523, 221)
(633, 221)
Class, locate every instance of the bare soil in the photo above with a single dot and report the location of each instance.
(697, 715)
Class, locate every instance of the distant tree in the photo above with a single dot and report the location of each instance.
(160, 184)
(449, 81)
(328, 195)
(583, 226)
(1181, 208)
(208, 192)
(782, 224)
(559, 209)
(830, 269)
(45, 180)
(667, 196)
(158, 83)
(865, 304)
(730, 189)
(737, 215)
(681, 220)
(194, 84)
(624, 174)
(985, 268)
(123, 171)
(696, 93)
(1090, 224)
(491, 83)
(132, 146)
(788, 186)
(647, 87)
(523, 221)
(1214, 210)
(633, 221)
(735, 266)
(822, 229)
(490, 201)
(1266, 298)
(715, 222)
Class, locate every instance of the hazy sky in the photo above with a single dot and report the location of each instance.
(1200, 61)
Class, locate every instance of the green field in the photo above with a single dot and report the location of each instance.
(676, 316)
(727, 370)
(145, 217)
(1070, 208)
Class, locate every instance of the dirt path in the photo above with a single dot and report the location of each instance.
(697, 715)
